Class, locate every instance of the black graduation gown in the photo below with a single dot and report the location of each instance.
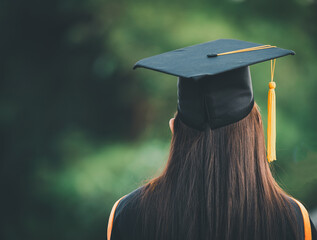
(123, 223)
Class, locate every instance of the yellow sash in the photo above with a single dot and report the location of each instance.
(307, 227)
(110, 222)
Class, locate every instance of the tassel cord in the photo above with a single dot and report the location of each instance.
(271, 126)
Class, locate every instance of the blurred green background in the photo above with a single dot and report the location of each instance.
(80, 128)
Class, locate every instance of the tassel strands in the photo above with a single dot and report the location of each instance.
(271, 123)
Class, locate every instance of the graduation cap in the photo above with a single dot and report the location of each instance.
(214, 84)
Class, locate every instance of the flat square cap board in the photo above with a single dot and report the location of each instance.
(193, 61)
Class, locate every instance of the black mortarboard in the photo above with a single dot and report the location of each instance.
(214, 85)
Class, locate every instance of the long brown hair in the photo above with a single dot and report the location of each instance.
(217, 184)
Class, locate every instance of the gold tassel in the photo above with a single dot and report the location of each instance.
(271, 123)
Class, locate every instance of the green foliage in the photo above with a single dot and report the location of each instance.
(80, 128)
(299, 179)
(87, 185)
